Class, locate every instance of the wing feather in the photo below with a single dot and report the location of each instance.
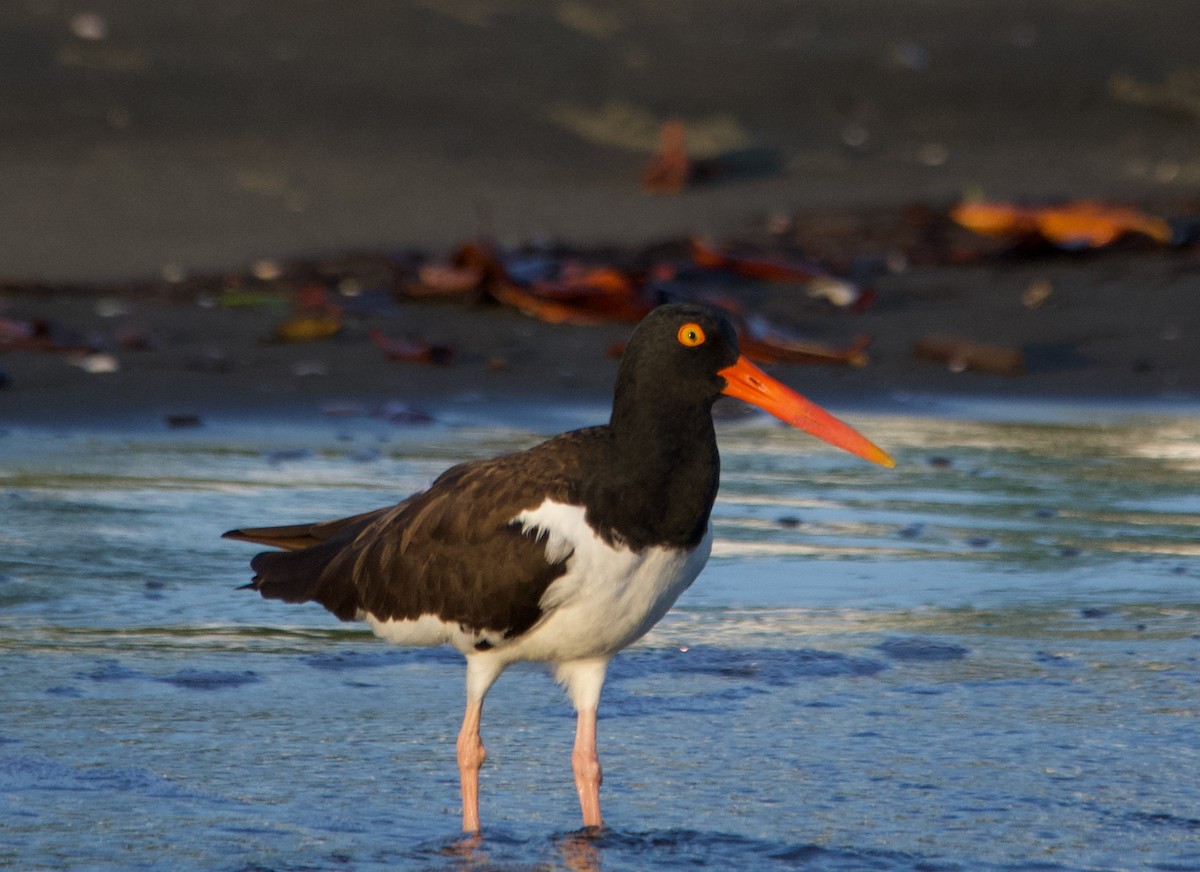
(452, 551)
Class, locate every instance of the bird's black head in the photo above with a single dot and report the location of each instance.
(675, 357)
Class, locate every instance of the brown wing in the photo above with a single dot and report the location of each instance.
(450, 551)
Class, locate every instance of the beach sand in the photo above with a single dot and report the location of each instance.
(139, 139)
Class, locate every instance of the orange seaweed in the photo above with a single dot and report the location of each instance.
(753, 266)
(1078, 224)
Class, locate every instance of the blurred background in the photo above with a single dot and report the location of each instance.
(203, 134)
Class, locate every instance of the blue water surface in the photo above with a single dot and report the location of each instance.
(987, 658)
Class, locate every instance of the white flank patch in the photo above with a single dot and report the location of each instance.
(562, 525)
(427, 630)
(609, 597)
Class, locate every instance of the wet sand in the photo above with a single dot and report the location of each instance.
(151, 138)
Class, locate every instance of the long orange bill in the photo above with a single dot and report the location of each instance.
(747, 382)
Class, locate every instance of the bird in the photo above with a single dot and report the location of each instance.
(564, 553)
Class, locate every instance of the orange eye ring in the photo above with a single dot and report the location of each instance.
(691, 334)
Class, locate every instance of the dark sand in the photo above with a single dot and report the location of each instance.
(198, 138)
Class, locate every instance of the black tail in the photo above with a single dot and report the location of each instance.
(316, 564)
(311, 575)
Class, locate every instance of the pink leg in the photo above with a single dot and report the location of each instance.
(471, 755)
(586, 764)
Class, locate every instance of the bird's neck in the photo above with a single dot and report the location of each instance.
(664, 472)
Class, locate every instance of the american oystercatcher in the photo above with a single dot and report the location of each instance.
(564, 553)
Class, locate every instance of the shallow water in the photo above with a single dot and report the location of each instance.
(988, 658)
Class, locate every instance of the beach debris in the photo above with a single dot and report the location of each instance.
(717, 149)
(582, 294)
(108, 307)
(1036, 295)
(442, 279)
(469, 270)
(315, 315)
(962, 355)
(308, 327)
(549, 310)
(572, 292)
(766, 343)
(670, 169)
(412, 350)
(569, 289)
(1078, 225)
(553, 289)
(839, 292)
(266, 270)
(235, 296)
(96, 363)
(89, 26)
(349, 287)
(751, 263)
(462, 275)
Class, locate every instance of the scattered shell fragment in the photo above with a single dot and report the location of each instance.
(97, 363)
(89, 26)
(266, 270)
(1038, 292)
(111, 308)
(837, 291)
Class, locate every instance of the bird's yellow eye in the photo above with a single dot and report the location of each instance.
(691, 335)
